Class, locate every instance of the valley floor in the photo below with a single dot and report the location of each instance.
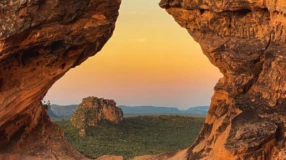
(135, 136)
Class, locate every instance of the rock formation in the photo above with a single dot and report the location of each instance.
(245, 39)
(40, 40)
(94, 110)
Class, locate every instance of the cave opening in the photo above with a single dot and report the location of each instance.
(148, 62)
(145, 58)
(143, 64)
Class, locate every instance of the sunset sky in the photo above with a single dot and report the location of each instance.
(149, 60)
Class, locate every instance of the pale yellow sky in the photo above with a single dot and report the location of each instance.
(150, 60)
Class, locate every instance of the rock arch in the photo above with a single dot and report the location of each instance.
(40, 40)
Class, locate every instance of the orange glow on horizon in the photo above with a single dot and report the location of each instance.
(149, 60)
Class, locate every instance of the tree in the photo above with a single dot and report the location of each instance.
(46, 105)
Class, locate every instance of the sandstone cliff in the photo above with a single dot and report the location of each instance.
(94, 110)
(40, 40)
(245, 39)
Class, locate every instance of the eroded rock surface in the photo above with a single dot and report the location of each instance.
(93, 110)
(245, 39)
(40, 40)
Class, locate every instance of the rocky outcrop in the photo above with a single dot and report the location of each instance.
(245, 39)
(40, 40)
(45, 141)
(94, 110)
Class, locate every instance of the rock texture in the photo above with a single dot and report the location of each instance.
(46, 141)
(94, 110)
(40, 40)
(245, 39)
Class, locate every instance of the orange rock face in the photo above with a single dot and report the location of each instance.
(245, 39)
(40, 40)
(93, 110)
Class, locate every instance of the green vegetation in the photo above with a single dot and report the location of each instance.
(135, 136)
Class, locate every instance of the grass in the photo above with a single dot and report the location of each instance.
(135, 136)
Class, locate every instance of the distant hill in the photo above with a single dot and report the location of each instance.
(52, 114)
(132, 111)
(63, 111)
(154, 110)
(203, 110)
(148, 109)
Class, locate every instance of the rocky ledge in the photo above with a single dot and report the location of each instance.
(93, 111)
